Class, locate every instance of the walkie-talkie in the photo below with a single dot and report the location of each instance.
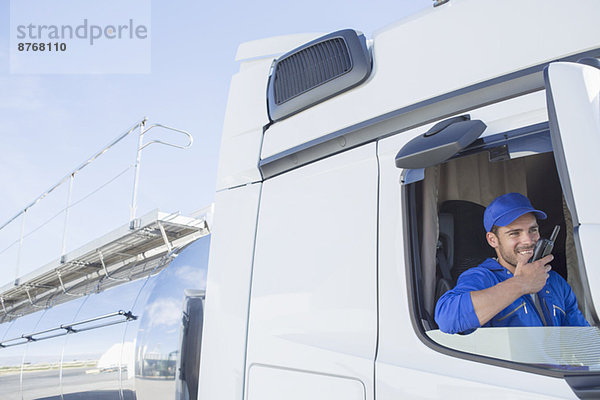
(544, 246)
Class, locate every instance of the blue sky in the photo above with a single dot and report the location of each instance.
(51, 123)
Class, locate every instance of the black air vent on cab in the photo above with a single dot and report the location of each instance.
(316, 71)
(310, 67)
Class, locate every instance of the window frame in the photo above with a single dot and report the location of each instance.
(410, 207)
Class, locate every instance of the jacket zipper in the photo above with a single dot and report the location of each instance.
(548, 311)
(555, 307)
(523, 305)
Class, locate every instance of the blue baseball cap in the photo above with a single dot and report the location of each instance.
(503, 210)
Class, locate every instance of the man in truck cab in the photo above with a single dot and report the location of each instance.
(509, 290)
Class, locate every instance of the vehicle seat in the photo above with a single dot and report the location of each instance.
(461, 242)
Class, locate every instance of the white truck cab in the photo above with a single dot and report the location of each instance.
(336, 195)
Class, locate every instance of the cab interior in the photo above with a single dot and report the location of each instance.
(447, 201)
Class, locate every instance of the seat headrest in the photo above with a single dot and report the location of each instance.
(470, 244)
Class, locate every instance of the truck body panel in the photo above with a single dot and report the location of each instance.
(313, 303)
(454, 48)
(228, 293)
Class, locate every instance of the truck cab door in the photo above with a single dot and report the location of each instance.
(573, 98)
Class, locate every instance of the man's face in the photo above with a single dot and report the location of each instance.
(516, 241)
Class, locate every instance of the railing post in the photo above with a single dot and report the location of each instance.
(64, 239)
(133, 207)
(20, 247)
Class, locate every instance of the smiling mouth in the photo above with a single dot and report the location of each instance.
(527, 252)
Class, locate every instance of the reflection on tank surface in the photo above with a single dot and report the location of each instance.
(159, 339)
(156, 365)
(122, 343)
(42, 360)
(102, 344)
(11, 357)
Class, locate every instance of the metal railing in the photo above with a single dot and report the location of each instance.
(142, 128)
(64, 329)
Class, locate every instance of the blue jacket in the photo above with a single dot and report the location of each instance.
(454, 311)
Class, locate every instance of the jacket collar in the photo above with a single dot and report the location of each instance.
(493, 265)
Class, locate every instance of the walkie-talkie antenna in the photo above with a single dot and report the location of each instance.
(554, 234)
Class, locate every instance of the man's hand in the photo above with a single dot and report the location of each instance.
(532, 276)
(528, 278)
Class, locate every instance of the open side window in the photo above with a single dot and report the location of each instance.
(444, 199)
(573, 95)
